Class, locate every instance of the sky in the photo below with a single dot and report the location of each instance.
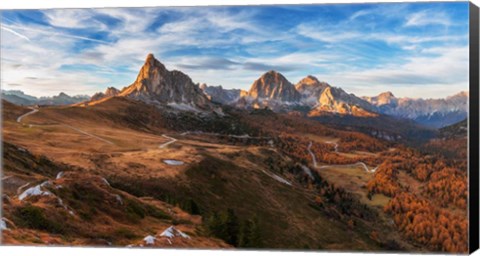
(411, 49)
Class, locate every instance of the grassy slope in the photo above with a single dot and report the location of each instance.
(213, 180)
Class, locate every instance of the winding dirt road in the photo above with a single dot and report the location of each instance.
(34, 110)
(172, 140)
(334, 143)
(362, 164)
(314, 160)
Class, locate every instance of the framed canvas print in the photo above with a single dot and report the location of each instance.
(301, 127)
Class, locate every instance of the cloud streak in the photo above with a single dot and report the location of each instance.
(15, 33)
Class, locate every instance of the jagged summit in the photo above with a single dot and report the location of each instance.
(156, 84)
(384, 98)
(309, 80)
(310, 89)
(273, 86)
(336, 100)
(387, 94)
(109, 92)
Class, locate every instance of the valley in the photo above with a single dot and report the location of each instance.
(159, 164)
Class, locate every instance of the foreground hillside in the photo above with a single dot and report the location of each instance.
(251, 179)
(211, 177)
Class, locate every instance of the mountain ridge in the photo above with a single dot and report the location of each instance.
(431, 112)
(155, 84)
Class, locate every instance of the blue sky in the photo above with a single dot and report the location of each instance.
(412, 49)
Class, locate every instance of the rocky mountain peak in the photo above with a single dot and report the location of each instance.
(384, 98)
(203, 86)
(310, 88)
(273, 86)
(111, 91)
(462, 94)
(336, 100)
(387, 94)
(309, 80)
(155, 84)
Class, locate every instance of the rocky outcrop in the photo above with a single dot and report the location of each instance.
(109, 92)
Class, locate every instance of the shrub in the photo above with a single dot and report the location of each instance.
(33, 217)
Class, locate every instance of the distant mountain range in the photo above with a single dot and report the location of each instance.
(20, 98)
(157, 85)
(318, 98)
(430, 112)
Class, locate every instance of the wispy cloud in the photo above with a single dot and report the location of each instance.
(428, 17)
(15, 33)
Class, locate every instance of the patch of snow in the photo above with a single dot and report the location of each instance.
(106, 182)
(271, 144)
(59, 175)
(219, 112)
(119, 199)
(307, 171)
(172, 232)
(184, 107)
(34, 191)
(173, 162)
(3, 225)
(60, 202)
(277, 178)
(22, 149)
(149, 239)
(280, 179)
